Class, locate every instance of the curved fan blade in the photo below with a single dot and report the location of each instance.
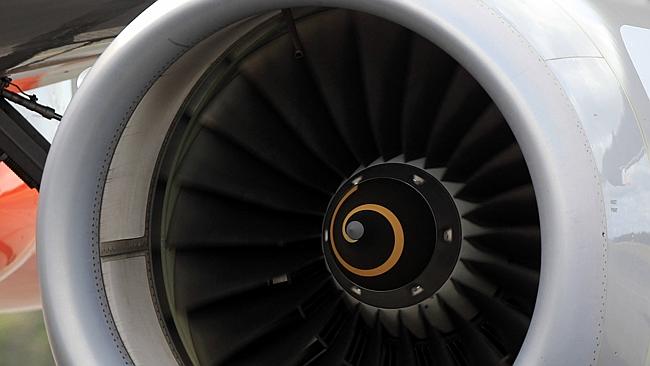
(520, 244)
(406, 355)
(463, 102)
(225, 327)
(288, 85)
(430, 71)
(200, 218)
(509, 324)
(372, 353)
(340, 338)
(203, 276)
(214, 166)
(489, 135)
(384, 75)
(515, 207)
(477, 349)
(336, 66)
(489, 180)
(288, 346)
(516, 280)
(272, 142)
(434, 350)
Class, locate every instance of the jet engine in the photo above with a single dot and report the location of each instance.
(381, 183)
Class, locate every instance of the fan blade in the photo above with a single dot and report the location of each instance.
(373, 350)
(335, 63)
(509, 324)
(203, 219)
(287, 346)
(204, 276)
(478, 350)
(504, 171)
(515, 207)
(241, 114)
(519, 244)
(430, 71)
(288, 85)
(384, 76)
(358, 344)
(226, 327)
(462, 104)
(214, 165)
(436, 351)
(338, 340)
(516, 280)
(489, 135)
(406, 354)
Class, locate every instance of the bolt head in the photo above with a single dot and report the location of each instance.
(356, 290)
(417, 180)
(416, 290)
(448, 235)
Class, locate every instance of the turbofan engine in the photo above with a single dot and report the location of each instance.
(348, 183)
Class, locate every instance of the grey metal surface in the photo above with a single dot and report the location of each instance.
(131, 302)
(576, 321)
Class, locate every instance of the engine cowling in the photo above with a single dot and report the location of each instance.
(371, 183)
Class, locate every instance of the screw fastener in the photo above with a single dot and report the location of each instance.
(280, 279)
(448, 235)
(416, 290)
(418, 180)
(356, 290)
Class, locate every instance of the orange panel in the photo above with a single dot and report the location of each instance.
(18, 205)
(25, 83)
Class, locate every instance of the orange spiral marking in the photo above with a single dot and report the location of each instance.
(398, 233)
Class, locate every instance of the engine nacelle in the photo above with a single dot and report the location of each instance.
(378, 182)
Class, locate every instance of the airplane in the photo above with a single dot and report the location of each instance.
(329, 182)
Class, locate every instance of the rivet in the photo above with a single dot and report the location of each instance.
(416, 290)
(448, 235)
(418, 180)
(356, 290)
(280, 279)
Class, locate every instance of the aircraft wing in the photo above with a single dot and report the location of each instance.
(41, 42)
(47, 41)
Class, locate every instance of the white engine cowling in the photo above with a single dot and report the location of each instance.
(188, 210)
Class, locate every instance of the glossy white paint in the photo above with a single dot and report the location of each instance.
(637, 42)
(624, 170)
